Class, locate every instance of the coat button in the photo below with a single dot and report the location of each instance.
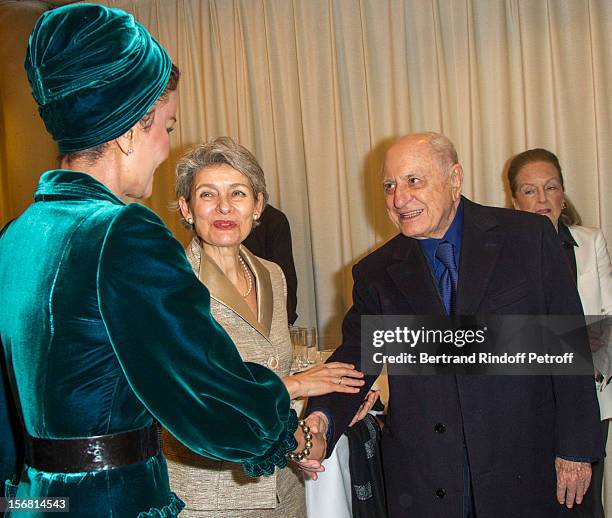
(440, 428)
(440, 492)
(272, 362)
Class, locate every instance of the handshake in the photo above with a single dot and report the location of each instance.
(311, 437)
(312, 444)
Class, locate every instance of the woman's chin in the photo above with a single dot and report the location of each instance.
(138, 196)
(222, 243)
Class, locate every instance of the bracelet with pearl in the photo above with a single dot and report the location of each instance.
(308, 438)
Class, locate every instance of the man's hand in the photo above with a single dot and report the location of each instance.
(366, 406)
(573, 480)
(317, 422)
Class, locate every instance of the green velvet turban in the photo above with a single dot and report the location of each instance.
(94, 73)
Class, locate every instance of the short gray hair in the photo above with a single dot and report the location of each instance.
(220, 150)
(443, 149)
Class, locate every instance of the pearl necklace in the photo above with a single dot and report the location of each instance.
(249, 278)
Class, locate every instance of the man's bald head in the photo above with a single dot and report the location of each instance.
(442, 149)
(422, 182)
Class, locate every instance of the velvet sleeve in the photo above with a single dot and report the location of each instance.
(180, 363)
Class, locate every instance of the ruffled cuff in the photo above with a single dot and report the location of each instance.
(171, 510)
(275, 456)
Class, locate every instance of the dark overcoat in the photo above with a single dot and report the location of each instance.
(513, 426)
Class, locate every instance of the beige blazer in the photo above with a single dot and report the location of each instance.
(595, 289)
(208, 485)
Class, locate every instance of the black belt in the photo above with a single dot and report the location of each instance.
(93, 453)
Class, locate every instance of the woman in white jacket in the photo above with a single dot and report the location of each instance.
(536, 183)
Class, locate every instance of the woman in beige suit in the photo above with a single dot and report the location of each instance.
(221, 193)
(536, 183)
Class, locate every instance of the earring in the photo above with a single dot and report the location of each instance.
(190, 221)
(255, 216)
(130, 148)
(564, 205)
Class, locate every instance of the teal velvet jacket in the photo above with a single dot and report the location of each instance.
(104, 328)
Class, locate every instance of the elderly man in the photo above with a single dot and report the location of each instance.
(458, 446)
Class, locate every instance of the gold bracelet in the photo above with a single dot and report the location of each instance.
(308, 437)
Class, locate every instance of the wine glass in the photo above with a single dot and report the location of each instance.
(311, 345)
(298, 341)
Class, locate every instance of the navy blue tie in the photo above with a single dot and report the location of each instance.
(448, 281)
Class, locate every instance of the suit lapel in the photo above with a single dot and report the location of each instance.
(222, 290)
(265, 297)
(480, 248)
(587, 278)
(584, 255)
(413, 277)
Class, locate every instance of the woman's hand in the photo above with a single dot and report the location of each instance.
(323, 379)
(310, 466)
(366, 406)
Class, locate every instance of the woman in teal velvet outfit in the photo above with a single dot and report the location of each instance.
(103, 325)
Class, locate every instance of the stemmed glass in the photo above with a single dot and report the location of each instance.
(298, 341)
(311, 345)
